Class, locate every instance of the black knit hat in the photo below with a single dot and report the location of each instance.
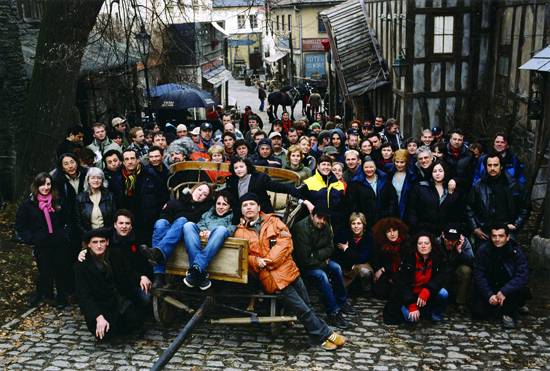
(249, 197)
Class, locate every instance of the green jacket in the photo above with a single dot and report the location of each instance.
(312, 246)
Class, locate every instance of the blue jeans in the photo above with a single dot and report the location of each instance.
(262, 104)
(197, 256)
(140, 298)
(435, 305)
(332, 297)
(166, 236)
(296, 299)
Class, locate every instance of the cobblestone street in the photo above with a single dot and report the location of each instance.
(44, 339)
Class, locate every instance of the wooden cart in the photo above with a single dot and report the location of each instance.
(230, 265)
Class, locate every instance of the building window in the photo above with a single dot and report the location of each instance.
(241, 19)
(443, 34)
(289, 22)
(320, 24)
(253, 21)
(283, 23)
(503, 73)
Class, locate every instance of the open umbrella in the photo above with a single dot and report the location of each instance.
(157, 91)
(187, 97)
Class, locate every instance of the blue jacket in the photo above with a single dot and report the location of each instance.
(514, 168)
(341, 157)
(515, 263)
(355, 253)
(407, 186)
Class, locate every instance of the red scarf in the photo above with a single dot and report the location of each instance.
(455, 152)
(393, 249)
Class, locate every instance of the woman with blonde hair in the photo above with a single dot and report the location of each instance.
(353, 253)
(402, 178)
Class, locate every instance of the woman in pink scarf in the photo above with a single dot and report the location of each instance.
(40, 221)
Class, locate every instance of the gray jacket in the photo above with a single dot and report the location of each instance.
(211, 220)
(453, 260)
(101, 148)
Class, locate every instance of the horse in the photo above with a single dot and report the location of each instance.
(287, 97)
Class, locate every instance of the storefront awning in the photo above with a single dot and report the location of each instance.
(275, 57)
(540, 62)
(217, 76)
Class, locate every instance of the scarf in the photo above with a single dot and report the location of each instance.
(455, 152)
(45, 204)
(393, 249)
(130, 179)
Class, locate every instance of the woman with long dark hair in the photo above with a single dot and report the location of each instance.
(41, 221)
(390, 238)
(419, 283)
(69, 178)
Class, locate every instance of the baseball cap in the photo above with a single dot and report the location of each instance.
(436, 130)
(367, 124)
(275, 134)
(196, 131)
(181, 127)
(206, 126)
(117, 121)
(330, 150)
(452, 231)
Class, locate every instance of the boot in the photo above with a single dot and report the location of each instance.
(158, 280)
(154, 255)
(366, 282)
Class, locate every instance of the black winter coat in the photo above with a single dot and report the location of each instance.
(462, 167)
(403, 295)
(424, 212)
(259, 184)
(94, 296)
(84, 207)
(66, 190)
(130, 248)
(152, 195)
(183, 207)
(355, 253)
(480, 206)
(30, 223)
(361, 197)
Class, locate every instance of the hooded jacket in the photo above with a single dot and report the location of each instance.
(211, 220)
(201, 149)
(101, 148)
(511, 164)
(282, 270)
(258, 160)
(375, 206)
(341, 156)
(328, 191)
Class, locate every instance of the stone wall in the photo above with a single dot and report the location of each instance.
(13, 92)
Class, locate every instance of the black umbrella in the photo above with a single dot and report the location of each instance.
(187, 97)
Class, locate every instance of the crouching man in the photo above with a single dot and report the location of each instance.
(104, 282)
(269, 256)
(500, 275)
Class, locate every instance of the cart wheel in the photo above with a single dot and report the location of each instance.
(276, 327)
(164, 312)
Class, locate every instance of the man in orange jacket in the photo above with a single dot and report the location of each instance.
(269, 256)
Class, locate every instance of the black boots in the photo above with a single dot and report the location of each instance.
(154, 255)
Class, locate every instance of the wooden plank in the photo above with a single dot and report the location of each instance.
(229, 264)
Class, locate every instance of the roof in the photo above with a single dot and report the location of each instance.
(237, 3)
(540, 62)
(360, 64)
(101, 54)
(285, 3)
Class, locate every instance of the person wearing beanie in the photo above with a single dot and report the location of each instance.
(263, 155)
(269, 256)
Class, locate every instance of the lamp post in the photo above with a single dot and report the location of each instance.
(144, 46)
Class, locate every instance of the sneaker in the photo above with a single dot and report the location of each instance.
(348, 309)
(204, 283)
(337, 320)
(192, 277)
(523, 310)
(435, 320)
(327, 345)
(336, 339)
(508, 322)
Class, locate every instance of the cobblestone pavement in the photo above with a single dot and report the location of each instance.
(44, 339)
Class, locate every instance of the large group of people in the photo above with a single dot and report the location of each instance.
(408, 221)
